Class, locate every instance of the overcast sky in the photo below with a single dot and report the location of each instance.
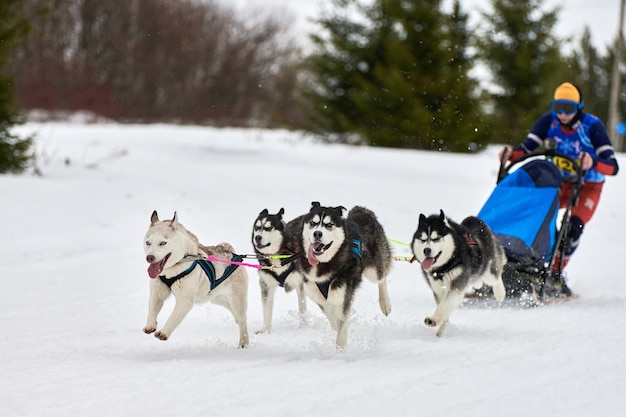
(601, 16)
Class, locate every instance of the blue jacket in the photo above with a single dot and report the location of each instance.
(588, 134)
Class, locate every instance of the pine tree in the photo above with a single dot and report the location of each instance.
(396, 76)
(518, 46)
(591, 72)
(14, 151)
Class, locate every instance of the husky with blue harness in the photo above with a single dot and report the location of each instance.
(339, 250)
(194, 273)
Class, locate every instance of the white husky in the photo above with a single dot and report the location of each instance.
(179, 266)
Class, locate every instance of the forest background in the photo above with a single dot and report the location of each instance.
(389, 73)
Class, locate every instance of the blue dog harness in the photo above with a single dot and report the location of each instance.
(209, 271)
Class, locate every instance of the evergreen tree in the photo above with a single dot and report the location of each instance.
(591, 72)
(14, 151)
(518, 46)
(396, 76)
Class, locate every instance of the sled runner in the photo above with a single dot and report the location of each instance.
(523, 211)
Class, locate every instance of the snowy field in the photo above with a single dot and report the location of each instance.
(75, 288)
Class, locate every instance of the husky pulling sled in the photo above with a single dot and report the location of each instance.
(523, 211)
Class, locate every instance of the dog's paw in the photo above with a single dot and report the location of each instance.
(263, 330)
(430, 322)
(160, 336)
(440, 330)
(385, 307)
(148, 330)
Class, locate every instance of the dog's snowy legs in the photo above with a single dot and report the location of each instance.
(267, 300)
(301, 303)
(498, 290)
(445, 307)
(242, 322)
(333, 308)
(340, 313)
(496, 283)
(342, 333)
(181, 309)
(155, 304)
(328, 312)
(383, 293)
(239, 312)
(239, 309)
(383, 297)
(441, 328)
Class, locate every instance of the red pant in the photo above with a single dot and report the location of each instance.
(581, 213)
(587, 201)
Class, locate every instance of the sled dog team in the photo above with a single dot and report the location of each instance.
(322, 255)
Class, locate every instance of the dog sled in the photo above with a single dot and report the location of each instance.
(523, 211)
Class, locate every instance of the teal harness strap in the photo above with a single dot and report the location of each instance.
(355, 240)
(356, 247)
(209, 271)
(227, 272)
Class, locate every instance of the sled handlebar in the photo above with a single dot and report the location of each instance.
(564, 163)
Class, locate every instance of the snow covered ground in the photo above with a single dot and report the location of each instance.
(75, 288)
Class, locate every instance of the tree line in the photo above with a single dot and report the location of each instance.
(389, 73)
(401, 73)
(154, 60)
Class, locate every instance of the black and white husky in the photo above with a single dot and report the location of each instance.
(455, 257)
(271, 236)
(339, 250)
(178, 265)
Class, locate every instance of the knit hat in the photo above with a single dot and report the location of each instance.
(567, 91)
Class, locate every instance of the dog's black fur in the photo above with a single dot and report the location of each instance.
(338, 251)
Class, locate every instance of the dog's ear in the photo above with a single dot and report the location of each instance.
(174, 221)
(315, 204)
(341, 209)
(442, 216)
(263, 213)
(422, 218)
(281, 211)
(154, 218)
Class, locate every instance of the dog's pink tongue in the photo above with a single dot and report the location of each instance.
(428, 262)
(311, 256)
(154, 270)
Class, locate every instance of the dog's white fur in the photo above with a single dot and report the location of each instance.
(168, 242)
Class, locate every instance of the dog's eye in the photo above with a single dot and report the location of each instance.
(148, 243)
(313, 224)
(436, 239)
(329, 225)
(163, 243)
(268, 229)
